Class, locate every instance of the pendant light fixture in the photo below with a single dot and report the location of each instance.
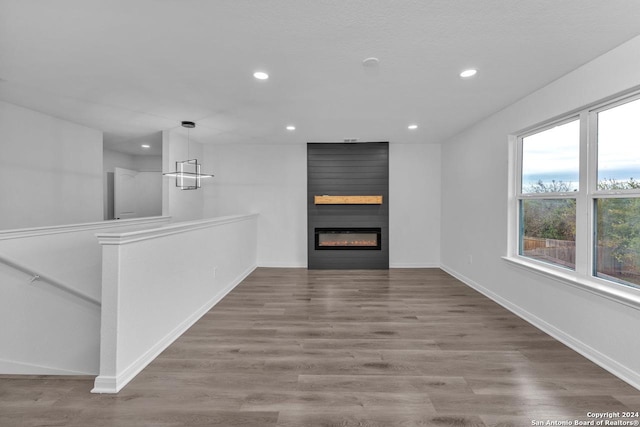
(187, 172)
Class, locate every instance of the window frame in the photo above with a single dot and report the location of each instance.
(520, 196)
(597, 194)
(584, 275)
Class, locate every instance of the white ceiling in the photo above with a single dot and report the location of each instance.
(132, 68)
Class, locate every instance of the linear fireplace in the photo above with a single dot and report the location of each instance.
(348, 206)
(348, 238)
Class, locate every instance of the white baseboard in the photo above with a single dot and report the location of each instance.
(412, 265)
(105, 384)
(627, 375)
(278, 265)
(113, 384)
(393, 265)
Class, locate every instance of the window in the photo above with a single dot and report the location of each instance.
(577, 198)
(617, 201)
(549, 181)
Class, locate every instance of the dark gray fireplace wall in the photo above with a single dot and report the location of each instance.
(348, 169)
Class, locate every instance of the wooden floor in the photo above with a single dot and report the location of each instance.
(291, 347)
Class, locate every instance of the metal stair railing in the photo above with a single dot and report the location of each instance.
(50, 280)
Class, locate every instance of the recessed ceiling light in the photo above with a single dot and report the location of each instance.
(145, 146)
(468, 73)
(412, 127)
(370, 62)
(261, 75)
(291, 127)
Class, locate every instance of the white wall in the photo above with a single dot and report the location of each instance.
(414, 205)
(46, 330)
(474, 219)
(148, 181)
(157, 283)
(149, 190)
(147, 163)
(110, 160)
(272, 179)
(50, 170)
(148, 185)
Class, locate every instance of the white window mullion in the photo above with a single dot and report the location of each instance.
(592, 187)
(515, 184)
(584, 215)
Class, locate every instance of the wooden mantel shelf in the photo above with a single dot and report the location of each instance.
(347, 200)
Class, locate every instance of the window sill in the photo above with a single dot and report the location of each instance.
(619, 293)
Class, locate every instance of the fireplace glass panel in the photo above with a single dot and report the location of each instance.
(351, 238)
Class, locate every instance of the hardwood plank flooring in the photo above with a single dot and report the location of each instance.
(292, 347)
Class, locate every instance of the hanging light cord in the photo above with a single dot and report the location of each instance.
(188, 140)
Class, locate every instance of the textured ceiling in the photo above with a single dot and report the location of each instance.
(133, 68)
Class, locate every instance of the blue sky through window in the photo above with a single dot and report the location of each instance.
(553, 154)
(619, 142)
